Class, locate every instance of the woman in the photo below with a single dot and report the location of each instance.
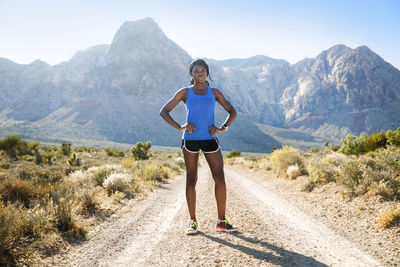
(199, 134)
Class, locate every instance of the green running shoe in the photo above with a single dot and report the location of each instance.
(192, 229)
(226, 226)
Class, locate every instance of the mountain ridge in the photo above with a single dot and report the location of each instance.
(115, 91)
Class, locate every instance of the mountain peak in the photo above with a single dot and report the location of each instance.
(133, 33)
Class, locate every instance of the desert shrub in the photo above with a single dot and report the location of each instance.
(62, 209)
(233, 153)
(293, 171)
(366, 143)
(9, 232)
(66, 149)
(321, 171)
(40, 175)
(393, 137)
(48, 157)
(112, 152)
(337, 159)
(382, 174)
(35, 222)
(152, 171)
(17, 190)
(375, 141)
(382, 188)
(88, 202)
(281, 159)
(351, 146)
(180, 163)
(74, 160)
(100, 174)
(10, 144)
(141, 150)
(314, 150)
(128, 163)
(335, 148)
(117, 181)
(79, 178)
(389, 217)
(350, 175)
(378, 174)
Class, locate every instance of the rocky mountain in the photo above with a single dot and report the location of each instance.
(114, 92)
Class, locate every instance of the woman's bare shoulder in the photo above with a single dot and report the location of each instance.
(182, 93)
(216, 92)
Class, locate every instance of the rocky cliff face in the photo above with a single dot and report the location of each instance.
(342, 91)
(114, 92)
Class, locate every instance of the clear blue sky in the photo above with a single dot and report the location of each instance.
(55, 30)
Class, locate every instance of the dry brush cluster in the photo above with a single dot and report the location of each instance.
(42, 199)
(369, 164)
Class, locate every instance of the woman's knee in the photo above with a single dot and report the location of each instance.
(219, 177)
(191, 180)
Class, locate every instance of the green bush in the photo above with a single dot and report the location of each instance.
(320, 172)
(233, 153)
(141, 150)
(74, 160)
(10, 145)
(281, 159)
(352, 146)
(112, 152)
(66, 149)
(393, 137)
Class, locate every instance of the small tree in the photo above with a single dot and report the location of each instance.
(9, 145)
(74, 160)
(233, 153)
(140, 150)
(66, 149)
(393, 137)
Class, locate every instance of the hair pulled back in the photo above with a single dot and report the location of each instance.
(200, 62)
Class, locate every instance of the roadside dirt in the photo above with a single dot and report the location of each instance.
(274, 232)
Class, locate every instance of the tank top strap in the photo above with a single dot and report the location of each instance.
(209, 91)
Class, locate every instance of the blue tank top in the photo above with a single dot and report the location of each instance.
(200, 112)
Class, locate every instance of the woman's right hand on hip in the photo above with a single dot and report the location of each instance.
(188, 126)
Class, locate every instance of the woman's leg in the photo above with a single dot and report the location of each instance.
(216, 163)
(191, 161)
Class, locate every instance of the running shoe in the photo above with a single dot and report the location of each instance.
(192, 229)
(226, 226)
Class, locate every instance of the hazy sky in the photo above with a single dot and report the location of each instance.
(55, 30)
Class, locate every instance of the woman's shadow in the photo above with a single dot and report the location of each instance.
(281, 256)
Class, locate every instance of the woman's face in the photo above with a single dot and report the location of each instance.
(199, 74)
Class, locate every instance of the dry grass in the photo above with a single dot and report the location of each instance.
(293, 171)
(281, 159)
(388, 218)
(118, 181)
(55, 203)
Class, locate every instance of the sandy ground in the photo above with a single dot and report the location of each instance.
(274, 231)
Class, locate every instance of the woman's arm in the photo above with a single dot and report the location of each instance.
(219, 97)
(181, 95)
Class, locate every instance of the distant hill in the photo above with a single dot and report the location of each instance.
(113, 92)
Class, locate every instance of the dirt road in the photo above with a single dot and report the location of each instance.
(273, 232)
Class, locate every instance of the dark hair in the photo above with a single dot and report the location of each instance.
(202, 63)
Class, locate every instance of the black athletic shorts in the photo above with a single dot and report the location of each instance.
(207, 146)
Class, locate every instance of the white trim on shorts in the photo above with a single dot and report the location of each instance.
(184, 146)
(215, 150)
